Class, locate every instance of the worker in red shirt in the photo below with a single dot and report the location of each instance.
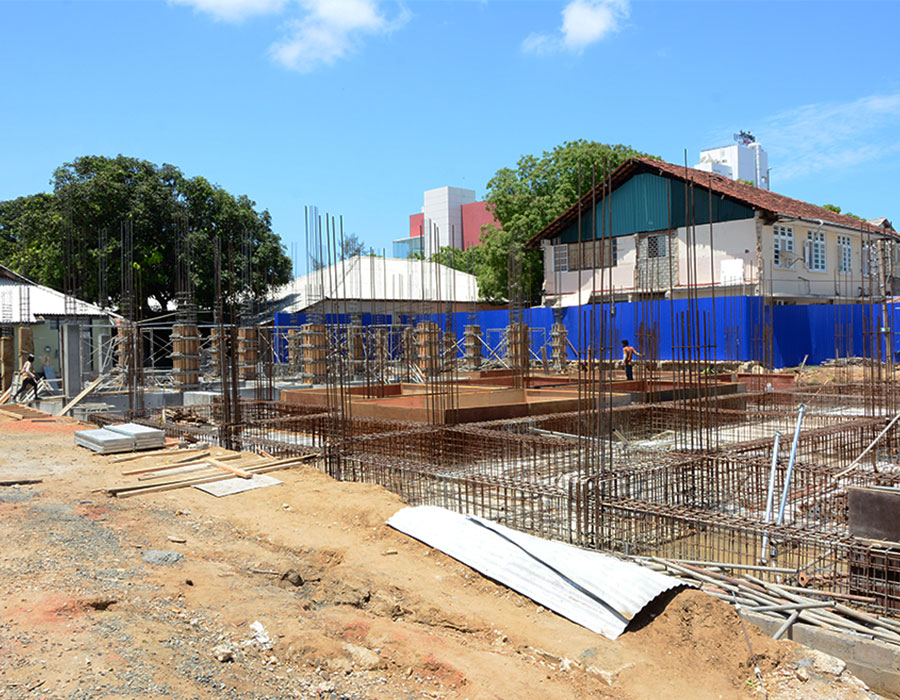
(628, 354)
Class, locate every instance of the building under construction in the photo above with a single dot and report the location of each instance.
(523, 415)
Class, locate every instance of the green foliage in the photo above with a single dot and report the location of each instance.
(747, 182)
(463, 260)
(837, 210)
(94, 192)
(351, 246)
(527, 198)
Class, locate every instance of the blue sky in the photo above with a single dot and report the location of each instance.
(358, 106)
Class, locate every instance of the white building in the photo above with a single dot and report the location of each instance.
(443, 223)
(667, 229)
(370, 284)
(749, 163)
(45, 312)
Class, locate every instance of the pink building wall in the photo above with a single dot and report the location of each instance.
(416, 222)
(474, 216)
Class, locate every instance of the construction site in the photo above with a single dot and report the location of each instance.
(775, 491)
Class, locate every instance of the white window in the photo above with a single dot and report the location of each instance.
(560, 258)
(656, 246)
(845, 255)
(784, 243)
(815, 251)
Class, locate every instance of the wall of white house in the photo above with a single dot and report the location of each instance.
(809, 273)
(733, 262)
(826, 262)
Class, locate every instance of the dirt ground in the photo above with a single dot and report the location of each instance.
(308, 594)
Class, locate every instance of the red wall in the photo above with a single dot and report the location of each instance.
(474, 216)
(416, 222)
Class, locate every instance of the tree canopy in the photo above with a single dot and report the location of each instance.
(526, 198)
(55, 238)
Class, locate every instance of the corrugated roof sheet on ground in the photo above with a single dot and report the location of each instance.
(595, 590)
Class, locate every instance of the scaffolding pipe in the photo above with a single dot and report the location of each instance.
(790, 467)
(770, 496)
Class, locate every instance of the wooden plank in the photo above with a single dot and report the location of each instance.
(155, 453)
(118, 491)
(10, 414)
(195, 459)
(228, 468)
(84, 392)
(6, 395)
(127, 493)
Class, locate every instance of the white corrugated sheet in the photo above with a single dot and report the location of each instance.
(23, 301)
(594, 590)
(369, 278)
(124, 437)
(104, 441)
(144, 437)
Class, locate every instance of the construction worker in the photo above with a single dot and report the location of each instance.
(28, 378)
(628, 354)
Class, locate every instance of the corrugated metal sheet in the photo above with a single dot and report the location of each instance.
(649, 202)
(28, 303)
(594, 590)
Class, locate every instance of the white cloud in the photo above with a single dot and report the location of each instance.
(584, 22)
(234, 10)
(831, 135)
(330, 30)
(324, 31)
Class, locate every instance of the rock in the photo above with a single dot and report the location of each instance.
(609, 677)
(293, 577)
(827, 665)
(363, 658)
(162, 557)
(177, 539)
(340, 664)
(802, 673)
(223, 653)
(260, 636)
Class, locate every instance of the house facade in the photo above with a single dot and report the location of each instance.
(666, 230)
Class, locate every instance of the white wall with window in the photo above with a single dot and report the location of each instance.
(783, 255)
(816, 252)
(845, 255)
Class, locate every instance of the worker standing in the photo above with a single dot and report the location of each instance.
(28, 378)
(628, 354)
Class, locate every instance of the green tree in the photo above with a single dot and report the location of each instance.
(837, 210)
(350, 244)
(526, 198)
(54, 238)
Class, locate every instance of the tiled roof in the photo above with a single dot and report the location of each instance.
(769, 203)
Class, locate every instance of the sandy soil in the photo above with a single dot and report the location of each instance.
(349, 608)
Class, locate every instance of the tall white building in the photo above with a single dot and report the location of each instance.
(748, 162)
(443, 210)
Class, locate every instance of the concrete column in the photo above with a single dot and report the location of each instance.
(26, 341)
(71, 359)
(559, 346)
(472, 344)
(7, 362)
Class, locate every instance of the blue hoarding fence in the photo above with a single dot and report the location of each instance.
(733, 327)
